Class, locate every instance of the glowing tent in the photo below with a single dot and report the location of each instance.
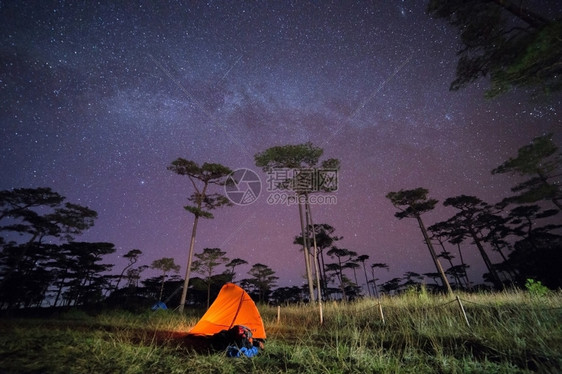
(233, 306)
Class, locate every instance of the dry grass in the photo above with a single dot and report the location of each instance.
(509, 332)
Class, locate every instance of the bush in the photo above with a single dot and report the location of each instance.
(536, 288)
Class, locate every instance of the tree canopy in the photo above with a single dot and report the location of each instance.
(411, 203)
(289, 156)
(509, 43)
(540, 161)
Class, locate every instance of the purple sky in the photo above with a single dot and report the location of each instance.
(97, 100)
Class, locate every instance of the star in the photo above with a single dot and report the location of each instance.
(96, 100)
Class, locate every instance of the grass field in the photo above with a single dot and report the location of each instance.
(510, 332)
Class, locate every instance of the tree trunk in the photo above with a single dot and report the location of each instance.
(188, 268)
(20, 257)
(367, 280)
(496, 279)
(316, 265)
(340, 275)
(315, 251)
(355, 277)
(306, 255)
(59, 290)
(455, 275)
(511, 272)
(375, 284)
(434, 256)
(324, 275)
(209, 292)
(464, 266)
(121, 275)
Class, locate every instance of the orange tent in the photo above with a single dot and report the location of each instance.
(233, 306)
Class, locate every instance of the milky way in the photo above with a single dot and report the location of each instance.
(97, 100)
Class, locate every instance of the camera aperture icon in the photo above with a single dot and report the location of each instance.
(243, 186)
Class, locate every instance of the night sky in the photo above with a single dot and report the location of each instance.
(96, 100)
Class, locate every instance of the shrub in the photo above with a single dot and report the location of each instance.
(536, 288)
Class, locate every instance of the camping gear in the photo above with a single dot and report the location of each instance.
(234, 351)
(159, 305)
(232, 323)
(233, 306)
(242, 343)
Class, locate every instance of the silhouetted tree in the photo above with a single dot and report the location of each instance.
(165, 265)
(132, 256)
(412, 203)
(496, 236)
(353, 265)
(85, 275)
(31, 278)
(392, 285)
(152, 288)
(344, 258)
(292, 157)
(539, 260)
(411, 279)
(446, 255)
(325, 237)
(134, 275)
(474, 219)
(434, 276)
(443, 232)
(287, 295)
(302, 159)
(36, 214)
(17, 202)
(464, 265)
(536, 254)
(262, 280)
(524, 220)
(540, 161)
(206, 263)
(380, 266)
(505, 41)
(362, 259)
(201, 178)
(232, 265)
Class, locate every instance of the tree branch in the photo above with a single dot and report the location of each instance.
(524, 14)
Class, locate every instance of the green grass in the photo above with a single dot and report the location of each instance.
(511, 332)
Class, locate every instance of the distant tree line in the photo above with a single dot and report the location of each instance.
(42, 263)
(523, 229)
(39, 257)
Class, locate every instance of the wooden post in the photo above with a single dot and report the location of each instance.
(309, 221)
(278, 314)
(382, 314)
(462, 310)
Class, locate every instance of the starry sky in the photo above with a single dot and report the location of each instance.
(98, 98)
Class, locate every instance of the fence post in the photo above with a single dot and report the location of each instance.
(462, 310)
(382, 314)
(278, 314)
